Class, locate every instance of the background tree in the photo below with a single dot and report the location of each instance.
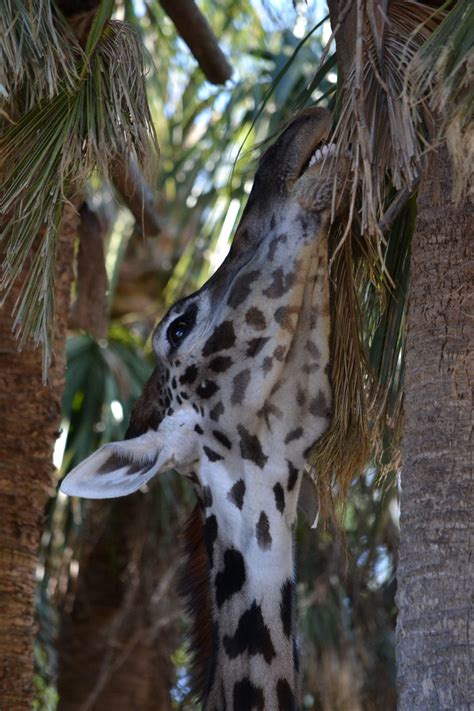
(435, 571)
(53, 135)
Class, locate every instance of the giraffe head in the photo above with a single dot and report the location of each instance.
(241, 372)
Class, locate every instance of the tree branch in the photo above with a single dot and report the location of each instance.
(343, 19)
(201, 40)
(138, 196)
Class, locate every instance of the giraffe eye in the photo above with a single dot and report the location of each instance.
(177, 331)
(181, 326)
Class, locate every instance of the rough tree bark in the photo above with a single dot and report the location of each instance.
(435, 634)
(29, 427)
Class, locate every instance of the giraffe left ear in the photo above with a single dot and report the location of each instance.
(120, 468)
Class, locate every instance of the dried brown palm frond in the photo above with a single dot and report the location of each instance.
(52, 149)
(35, 51)
(387, 146)
(442, 75)
(345, 448)
(368, 347)
(387, 149)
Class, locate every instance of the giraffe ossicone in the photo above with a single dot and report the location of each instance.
(239, 396)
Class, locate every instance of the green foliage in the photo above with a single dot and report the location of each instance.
(103, 381)
(92, 119)
(209, 134)
(46, 696)
(346, 584)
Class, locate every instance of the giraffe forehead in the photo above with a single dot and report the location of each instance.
(245, 303)
(261, 271)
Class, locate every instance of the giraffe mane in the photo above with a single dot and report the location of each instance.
(194, 589)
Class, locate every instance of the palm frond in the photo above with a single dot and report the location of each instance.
(441, 73)
(38, 53)
(368, 345)
(345, 448)
(385, 147)
(53, 148)
(97, 377)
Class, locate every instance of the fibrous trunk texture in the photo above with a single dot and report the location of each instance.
(29, 426)
(119, 618)
(435, 634)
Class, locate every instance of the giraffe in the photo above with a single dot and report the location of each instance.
(240, 394)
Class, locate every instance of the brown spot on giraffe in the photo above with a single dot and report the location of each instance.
(256, 318)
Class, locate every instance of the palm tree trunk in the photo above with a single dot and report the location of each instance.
(29, 427)
(435, 640)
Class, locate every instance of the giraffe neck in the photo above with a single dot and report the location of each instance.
(249, 540)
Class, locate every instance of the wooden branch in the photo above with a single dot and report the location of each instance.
(396, 206)
(201, 40)
(342, 14)
(138, 196)
(89, 312)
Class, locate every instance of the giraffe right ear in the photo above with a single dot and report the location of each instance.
(120, 468)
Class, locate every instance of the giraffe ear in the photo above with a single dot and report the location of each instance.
(119, 468)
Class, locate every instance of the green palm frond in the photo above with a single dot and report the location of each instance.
(99, 377)
(51, 151)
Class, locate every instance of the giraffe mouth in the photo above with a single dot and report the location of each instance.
(324, 151)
